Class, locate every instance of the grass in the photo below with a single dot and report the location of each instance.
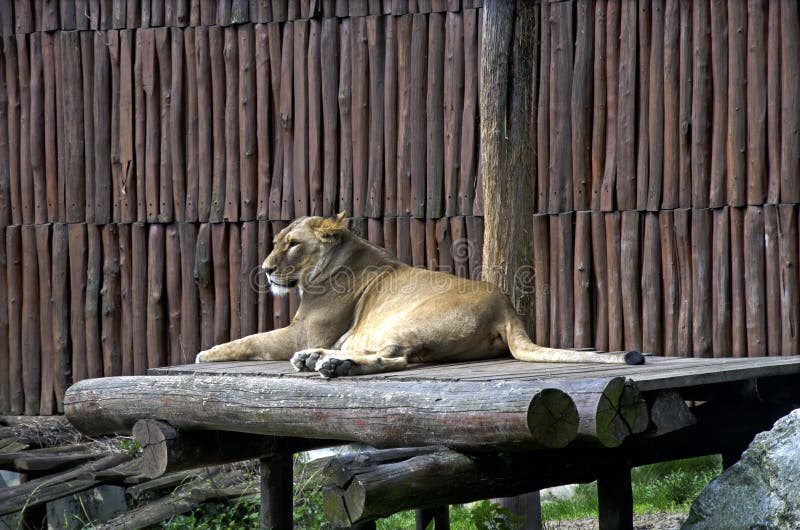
(665, 487)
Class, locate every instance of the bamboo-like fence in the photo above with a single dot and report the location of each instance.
(150, 150)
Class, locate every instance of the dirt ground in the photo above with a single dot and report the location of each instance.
(652, 521)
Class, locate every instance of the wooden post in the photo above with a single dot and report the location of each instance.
(276, 491)
(614, 496)
(440, 517)
(505, 105)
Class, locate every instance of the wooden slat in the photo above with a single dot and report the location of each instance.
(790, 103)
(111, 308)
(140, 128)
(599, 94)
(376, 41)
(756, 102)
(470, 129)
(643, 102)
(440, 197)
(683, 255)
(685, 107)
(404, 240)
(249, 269)
(315, 120)
(125, 299)
(738, 329)
(232, 135)
(613, 249)
(655, 117)
(475, 235)
(720, 284)
(652, 321)
(773, 177)
(265, 299)
(581, 109)
(702, 272)
(390, 123)
(26, 185)
(5, 172)
(178, 128)
(561, 63)
(192, 127)
(215, 49)
(630, 279)
(13, 254)
(582, 280)
(31, 345)
(222, 308)
(701, 105)
(329, 64)
(280, 306)
(77, 271)
(37, 128)
(737, 107)
(234, 298)
(608, 188)
(454, 84)
(205, 138)
(262, 111)
(88, 178)
(287, 122)
(156, 348)
(414, 143)
(13, 113)
(360, 112)
(403, 37)
(166, 211)
(671, 102)
(555, 252)
(444, 245)
(153, 119)
(101, 130)
(204, 277)
(274, 40)
(754, 279)
(418, 243)
(599, 277)
(719, 111)
(114, 51)
(669, 271)
(772, 288)
(60, 311)
(174, 287)
(248, 147)
(190, 308)
(91, 308)
(789, 291)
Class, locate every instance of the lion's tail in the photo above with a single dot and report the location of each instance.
(524, 349)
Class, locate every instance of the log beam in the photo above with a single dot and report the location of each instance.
(276, 491)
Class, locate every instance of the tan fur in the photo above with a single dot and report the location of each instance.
(364, 312)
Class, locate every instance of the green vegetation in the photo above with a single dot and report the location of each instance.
(665, 487)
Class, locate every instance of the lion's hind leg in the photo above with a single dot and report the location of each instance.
(337, 363)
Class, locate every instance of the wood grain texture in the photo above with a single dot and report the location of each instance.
(721, 307)
(702, 272)
(772, 289)
(701, 104)
(790, 103)
(719, 112)
(789, 291)
(756, 102)
(737, 107)
(754, 281)
(738, 329)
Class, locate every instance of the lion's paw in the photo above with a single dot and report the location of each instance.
(305, 360)
(201, 357)
(331, 367)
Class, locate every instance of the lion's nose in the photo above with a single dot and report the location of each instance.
(268, 269)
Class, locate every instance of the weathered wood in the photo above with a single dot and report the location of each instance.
(286, 121)
(114, 54)
(719, 113)
(520, 414)
(60, 310)
(599, 97)
(790, 103)
(13, 285)
(390, 114)
(737, 104)
(756, 102)
(126, 299)
(720, 284)
(248, 281)
(701, 105)
(738, 328)
(671, 124)
(139, 291)
(359, 106)
(329, 64)
(77, 269)
(561, 60)
(274, 43)
(26, 185)
(566, 314)
(599, 276)
(581, 108)
(608, 188)
(234, 298)
(276, 490)
(454, 82)
(204, 277)
(789, 290)
(30, 331)
(91, 307)
(441, 195)
(630, 279)
(669, 272)
(37, 130)
(643, 102)
(315, 120)
(626, 105)
(582, 280)
(177, 128)
(156, 354)
(205, 139)
(683, 256)
(72, 105)
(232, 183)
(216, 47)
(152, 151)
(222, 308)
(615, 496)
(772, 289)
(613, 248)
(173, 291)
(140, 128)
(701, 282)
(669, 412)
(773, 103)
(685, 107)
(111, 302)
(165, 449)
(754, 279)
(101, 132)
(651, 286)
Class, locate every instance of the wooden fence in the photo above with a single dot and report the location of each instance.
(149, 151)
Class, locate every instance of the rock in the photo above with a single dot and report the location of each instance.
(9, 478)
(102, 504)
(761, 491)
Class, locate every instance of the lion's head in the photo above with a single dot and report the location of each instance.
(300, 248)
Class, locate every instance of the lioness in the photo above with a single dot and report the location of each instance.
(363, 312)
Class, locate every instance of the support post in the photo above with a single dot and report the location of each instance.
(439, 515)
(527, 507)
(276, 491)
(615, 496)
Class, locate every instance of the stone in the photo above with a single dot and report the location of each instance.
(9, 478)
(761, 491)
(99, 504)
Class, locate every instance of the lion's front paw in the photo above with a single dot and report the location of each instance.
(305, 360)
(331, 367)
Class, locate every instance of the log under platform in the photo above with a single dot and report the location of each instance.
(499, 427)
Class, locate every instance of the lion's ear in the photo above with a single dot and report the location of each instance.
(331, 229)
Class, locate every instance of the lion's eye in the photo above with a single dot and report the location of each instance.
(293, 244)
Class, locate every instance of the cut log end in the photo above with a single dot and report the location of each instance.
(621, 411)
(553, 418)
(634, 357)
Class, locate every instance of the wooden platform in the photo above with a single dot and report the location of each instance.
(659, 373)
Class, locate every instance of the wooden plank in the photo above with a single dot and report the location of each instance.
(173, 294)
(685, 107)
(655, 115)
(566, 322)
(790, 103)
(376, 42)
(7, 18)
(47, 16)
(702, 272)
(156, 347)
(360, 113)
(13, 254)
(192, 127)
(13, 113)
(5, 379)
(720, 284)
(139, 296)
(101, 130)
(772, 285)
(280, 306)
(475, 235)
(701, 106)
(222, 308)
(789, 291)
(403, 38)
(26, 185)
(280, 10)
(91, 308)
(599, 281)
(651, 286)
(444, 245)
(414, 143)
(133, 14)
(232, 103)
(756, 102)
(630, 279)
(274, 40)
(88, 178)
(643, 102)
(153, 128)
(248, 147)
(287, 122)
(560, 86)
(315, 120)
(418, 243)
(262, 112)
(555, 252)
(608, 188)
(754, 279)
(23, 17)
(5, 172)
(60, 311)
(31, 345)
(111, 308)
(581, 109)
(671, 103)
(140, 129)
(470, 128)
(265, 299)
(125, 299)
(719, 101)
(205, 137)
(117, 180)
(582, 280)
(683, 254)
(773, 177)
(166, 211)
(599, 110)
(738, 329)
(190, 306)
(249, 269)
(77, 272)
(441, 197)
(37, 127)
(454, 84)
(204, 278)
(737, 105)
(329, 64)
(234, 298)
(669, 272)
(613, 278)
(404, 240)
(216, 48)
(178, 128)
(390, 123)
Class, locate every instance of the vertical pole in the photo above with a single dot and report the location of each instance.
(615, 497)
(527, 507)
(276, 491)
(439, 515)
